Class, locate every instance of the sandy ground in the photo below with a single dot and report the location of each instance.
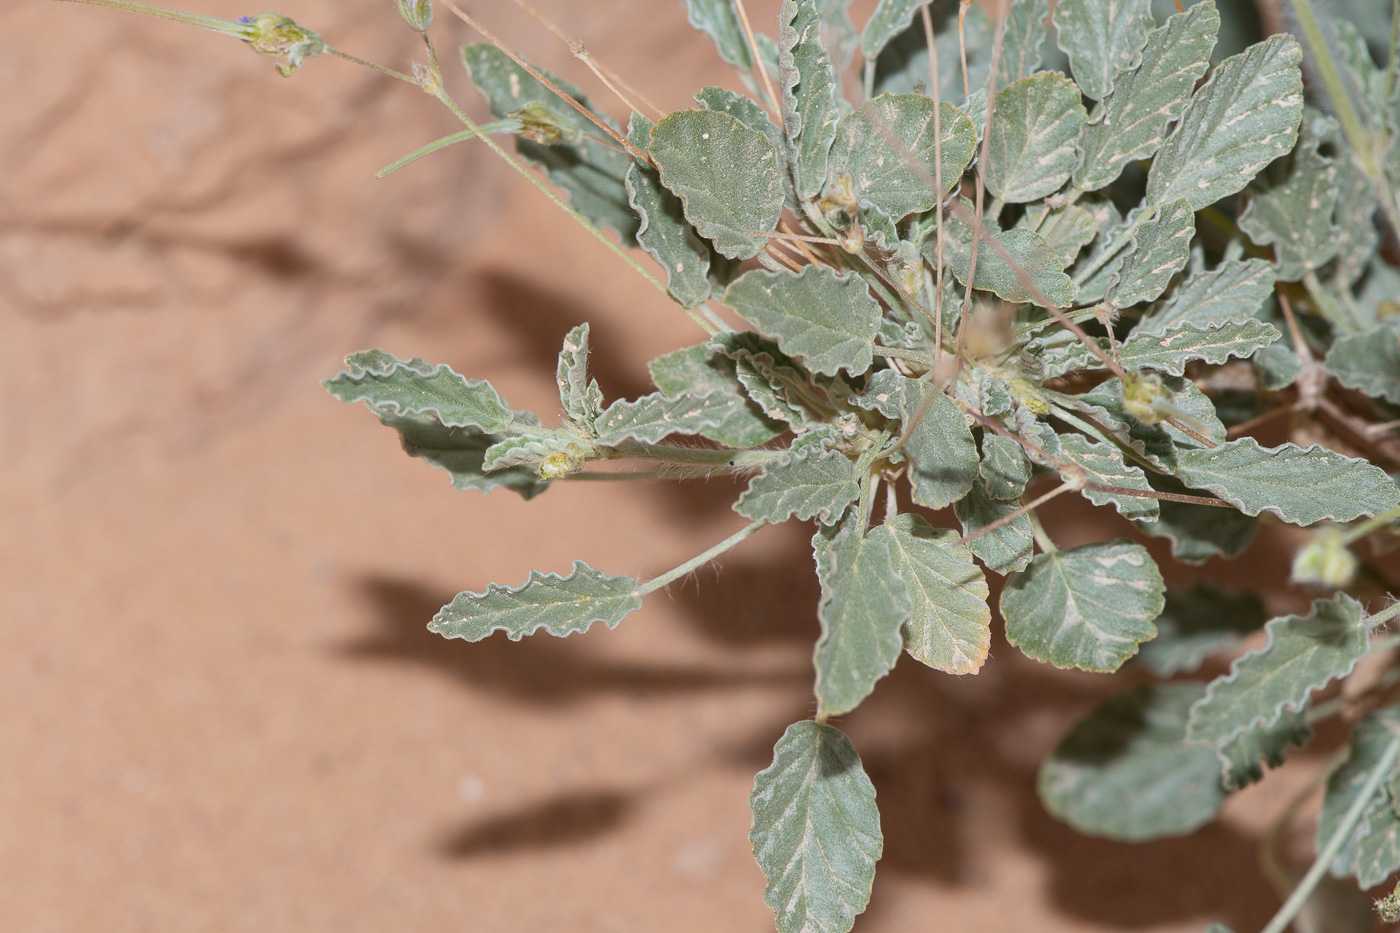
(219, 707)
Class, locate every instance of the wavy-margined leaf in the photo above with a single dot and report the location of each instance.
(1159, 444)
(1030, 146)
(1087, 607)
(530, 448)
(1067, 231)
(654, 416)
(559, 605)
(949, 626)
(863, 607)
(1101, 38)
(1158, 251)
(891, 17)
(903, 66)
(1369, 362)
(809, 94)
(743, 109)
(1008, 547)
(394, 387)
(1004, 470)
(719, 20)
(664, 232)
(1104, 465)
(1124, 772)
(1131, 121)
(590, 170)
(1301, 485)
(461, 452)
(699, 370)
(815, 830)
(819, 484)
(773, 380)
(1303, 654)
(994, 274)
(728, 177)
(1295, 215)
(1244, 757)
(1232, 291)
(944, 454)
(1243, 117)
(1023, 33)
(1171, 350)
(827, 318)
(1372, 853)
(877, 143)
(581, 398)
(1199, 532)
(1198, 622)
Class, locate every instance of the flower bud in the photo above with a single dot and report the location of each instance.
(276, 36)
(541, 125)
(1325, 561)
(417, 13)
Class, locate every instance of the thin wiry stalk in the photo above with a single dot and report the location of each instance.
(937, 177)
(1023, 510)
(773, 98)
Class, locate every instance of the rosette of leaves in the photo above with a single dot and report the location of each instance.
(968, 292)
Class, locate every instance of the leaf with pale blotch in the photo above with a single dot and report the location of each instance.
(1004, 470)
(1123, 771)
(1006, 548)
(891, 17)
(1243, 117)
(1372, 853)
(1199, 532)
(994, 274)
(719, 20)
(1369, 362)
(394, 387)
(1066, 231)
(655, 416)
(728, 176)
(1198, 622)
(827, 318)
(817, 484)
(942, 449)
(863, 607)
(1104, 465)
(1101, 38)
(809, 94)
(1301, 485)
(1173, 349)
(1357, 238)
(588, 166)
(1303, 654)
(889, 149)
(1023, 33)
(1087, 607)
(1233, 291)
(1030, 146)
(1244, 757)
(699, 370)
(1295, 214)
(559, 605)
(949, 626)
(461, 452)
(1159, 250)
(664, 232)
(1131, 121)
(815, 831)
(582, 399)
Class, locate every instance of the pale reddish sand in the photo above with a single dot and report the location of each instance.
(219, 707)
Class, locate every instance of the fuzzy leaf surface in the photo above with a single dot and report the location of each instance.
(1160, 444)
(727, 176)
(1176, 347)
(1008, 547)
(719, 20)
(1301, 485)
(1199, 532)
(1198, 622)
(559, 605)
(655, 416)
(1369, 362)
(391, 386)
(1105, 465)
(819, 484)
(944, 454)
(664, 232)
(699, 370)
(1131, 121)
(862, 611)
(1244, 116)
(827, 318)
(582, 399)
(1124, 772)
(1303, 654)
(1295, 215)
(1158, 251)
(1244, 757)
(1101, 38)
(461, 453)
(809, 94)
(1023, 33)
(891, 17)
(1373, 851)
(903, 66)
(1087, 607)
(949, 626)
(1031, 148)
(1004, 470)
(743, 109)
(994, 274)
(815, 831)
(884, 179)
(1232, 291)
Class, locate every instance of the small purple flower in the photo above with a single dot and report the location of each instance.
(245, 20)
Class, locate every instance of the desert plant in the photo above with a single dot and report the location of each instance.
(1068, 283)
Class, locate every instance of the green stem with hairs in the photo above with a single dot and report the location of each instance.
(699, 560)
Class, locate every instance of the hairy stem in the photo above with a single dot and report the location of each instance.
(699, 560)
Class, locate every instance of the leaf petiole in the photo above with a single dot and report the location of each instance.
(699, 560)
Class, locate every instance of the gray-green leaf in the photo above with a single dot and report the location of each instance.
(862, 611)
(1006, 548)
(1023, 33)
(827, 318)
(1295, 215)
(719, 20)
(664, 232)
(461, 452)
(1243, 758)
(1244, 116)
(815, 831)
(559, 605)
(1004, 470)
(949, 626)
(994, 273)
(942, 449)
(1303, 654)
(728, 177)
(1087, 607)
(1198, 622)
(391, 386)
(809, 94)
(1123, 772)
(1232, 291)
(890, 18)
(817, 484)
(1369, 362)
(1159, 250)
(1373, 851)
(699, 370)
(1031, 139)
(1299, 485)
(582, 399)
(655, 416)
(1104, 465)
(1101, 38)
